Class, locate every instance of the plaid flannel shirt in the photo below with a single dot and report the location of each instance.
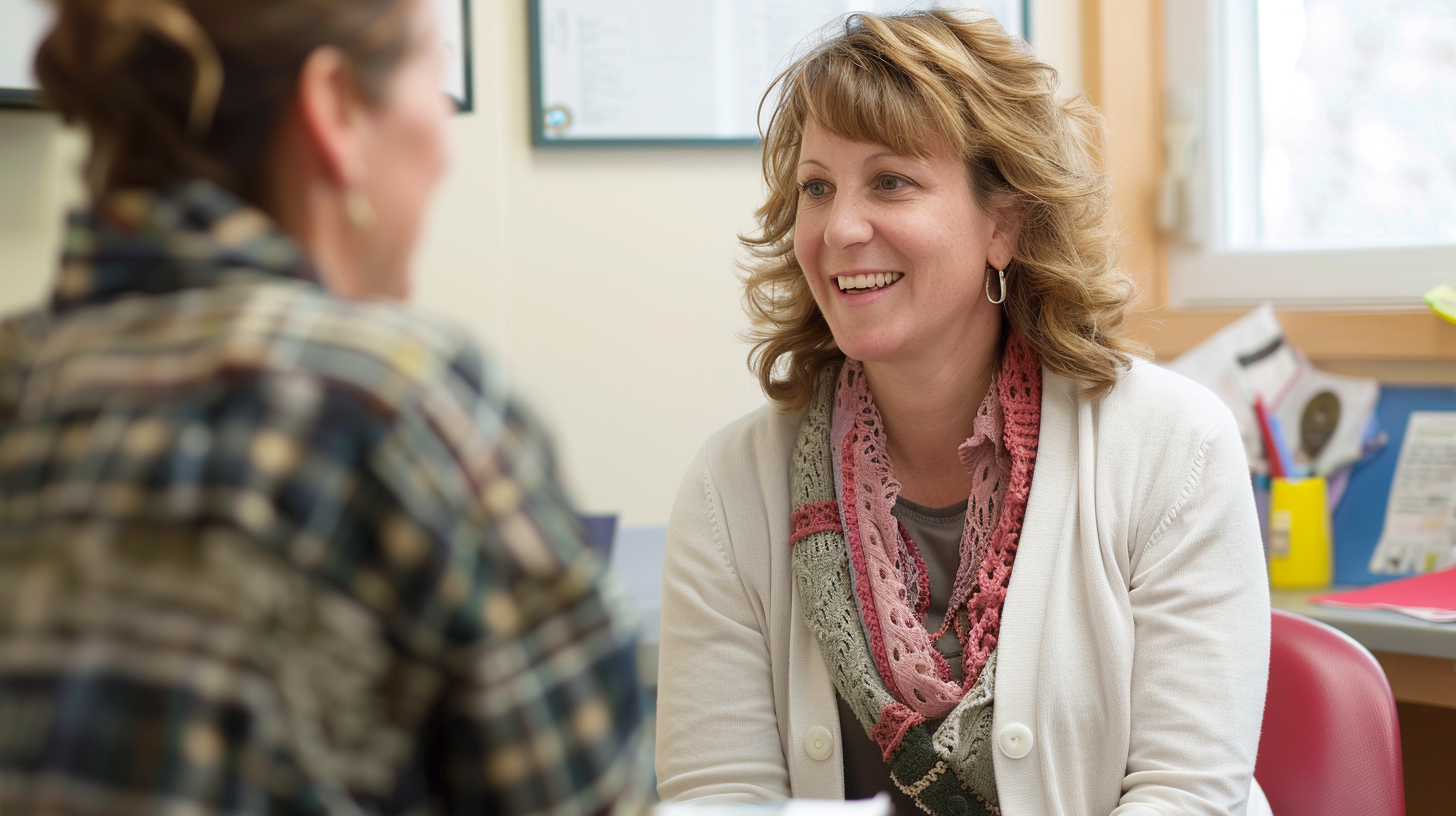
(266, 550)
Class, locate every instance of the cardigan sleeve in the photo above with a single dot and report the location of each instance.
(717, 732)
(1200, 606)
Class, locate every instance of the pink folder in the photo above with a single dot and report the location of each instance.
(1430, 597)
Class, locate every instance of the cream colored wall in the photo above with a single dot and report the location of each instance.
(605, 278)
(38, 180)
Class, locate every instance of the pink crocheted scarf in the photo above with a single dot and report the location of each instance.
(891, 586)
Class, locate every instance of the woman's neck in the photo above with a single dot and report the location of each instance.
(929, 409)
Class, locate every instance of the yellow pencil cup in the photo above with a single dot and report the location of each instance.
(1299, 534)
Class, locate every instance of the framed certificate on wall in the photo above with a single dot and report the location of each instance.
(455, 28)
(23, 23)
(674, 71)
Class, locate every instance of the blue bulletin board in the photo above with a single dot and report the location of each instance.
(1360, 516)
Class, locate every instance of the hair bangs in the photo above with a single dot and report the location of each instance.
(857, 94)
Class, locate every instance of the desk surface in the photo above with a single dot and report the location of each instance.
(1379, 630)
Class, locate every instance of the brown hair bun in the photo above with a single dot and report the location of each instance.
(177, 89)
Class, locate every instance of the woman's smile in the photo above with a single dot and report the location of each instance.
(857, 282)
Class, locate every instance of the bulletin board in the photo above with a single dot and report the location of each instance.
(682, 71)
(23, 23)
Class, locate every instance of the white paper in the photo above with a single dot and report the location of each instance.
(1250, 358)
(1215, 364)
(1356, 397)
(451, 15)
(1424, 613)
(22, 25)
(1420, 519)
(669, 69)
(878, 806)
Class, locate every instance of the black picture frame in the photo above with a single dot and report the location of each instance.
(538, 111)
(466, 64)
(20, 99)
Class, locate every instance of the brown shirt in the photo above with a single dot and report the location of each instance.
(937, 531)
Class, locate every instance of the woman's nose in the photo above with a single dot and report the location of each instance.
(849, 223)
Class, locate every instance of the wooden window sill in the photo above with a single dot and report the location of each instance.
(1376, 335)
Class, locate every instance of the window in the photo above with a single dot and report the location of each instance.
(1311, 150)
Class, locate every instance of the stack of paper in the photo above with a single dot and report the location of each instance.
(878, 806)
(1430, 597)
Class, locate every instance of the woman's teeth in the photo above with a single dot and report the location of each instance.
(871, 281)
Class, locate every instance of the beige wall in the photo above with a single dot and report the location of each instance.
(38, 180)
(604, 277)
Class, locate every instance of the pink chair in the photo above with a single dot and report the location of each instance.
(1331, 739)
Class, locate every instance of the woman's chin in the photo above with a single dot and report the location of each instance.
(871, 348)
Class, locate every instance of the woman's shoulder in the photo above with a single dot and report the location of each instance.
(740, 477)
(762, 436)
(1151, 413)
(1150, 400)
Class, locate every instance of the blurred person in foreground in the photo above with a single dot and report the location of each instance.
(269, 541)
(975, 554)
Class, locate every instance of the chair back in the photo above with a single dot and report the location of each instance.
(1331, 739)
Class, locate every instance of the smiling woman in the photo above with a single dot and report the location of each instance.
(974, 553)
(1034, 174)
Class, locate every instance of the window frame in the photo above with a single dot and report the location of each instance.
(1124, 68)
(1207, 270)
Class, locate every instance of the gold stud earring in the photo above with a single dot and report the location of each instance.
(361, 212)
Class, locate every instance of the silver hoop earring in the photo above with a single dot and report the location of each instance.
(1001, 276)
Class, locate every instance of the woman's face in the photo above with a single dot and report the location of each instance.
(407, 151)
(895, 250)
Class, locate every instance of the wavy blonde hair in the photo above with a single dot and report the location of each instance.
(902, 81)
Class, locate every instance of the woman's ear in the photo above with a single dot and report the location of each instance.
(1007, 220)
(330, 112)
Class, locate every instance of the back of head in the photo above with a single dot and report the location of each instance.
(178, 89)
(905, 81)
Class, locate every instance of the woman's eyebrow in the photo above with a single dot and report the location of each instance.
(814, 161)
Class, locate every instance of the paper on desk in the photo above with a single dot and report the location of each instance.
(1417, 612)
(1420, 519)
(878, 806)
(1324, 415)
(1430, 597)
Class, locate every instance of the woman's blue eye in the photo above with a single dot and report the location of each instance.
(814, 189)
(891, 183)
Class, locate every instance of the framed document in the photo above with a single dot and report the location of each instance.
(682, 71)
(455, 28)
(23, 23)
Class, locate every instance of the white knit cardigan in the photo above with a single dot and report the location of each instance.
(1134, 642)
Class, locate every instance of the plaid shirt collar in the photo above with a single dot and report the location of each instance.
(192, 235)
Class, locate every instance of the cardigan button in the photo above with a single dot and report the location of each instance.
(1015, 740)
(819, 743)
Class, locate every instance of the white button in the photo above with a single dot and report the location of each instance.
(1015, 740)
(819, 743)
